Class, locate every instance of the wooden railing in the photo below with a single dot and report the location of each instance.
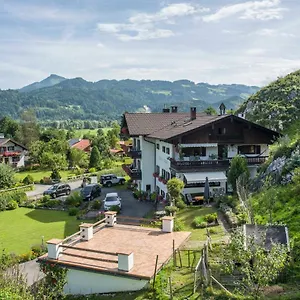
(133, 173)
(134, 153)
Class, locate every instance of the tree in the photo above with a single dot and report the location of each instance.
(29, 127)
(51, 160)
(258, 266)
(175, 187)
(112, 138)
(210, 111)
(78, 158)
(238, 166)
(100, 141)
(95, 159)
(10, 128)
(7, 175)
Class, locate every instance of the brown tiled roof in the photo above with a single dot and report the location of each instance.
(82, 144)
(3, 141)
(165, 125)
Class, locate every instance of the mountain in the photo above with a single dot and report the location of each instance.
(107, 99)
(49, 81)
(276, 105)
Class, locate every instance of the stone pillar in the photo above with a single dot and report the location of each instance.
(167, 224)
(86, 231)
(53, 248)
(110, 218)
(125, 261)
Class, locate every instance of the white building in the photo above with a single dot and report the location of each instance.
(191, 146)
(11, 152)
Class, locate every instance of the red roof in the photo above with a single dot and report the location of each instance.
(82, 145)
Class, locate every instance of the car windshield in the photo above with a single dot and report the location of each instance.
(53, 187)
(87, 189)
(111, 199)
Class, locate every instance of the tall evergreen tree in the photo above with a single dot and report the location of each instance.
(95, 158)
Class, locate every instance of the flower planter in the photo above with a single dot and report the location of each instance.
(155, 175)
(160, 179)
(164, 181)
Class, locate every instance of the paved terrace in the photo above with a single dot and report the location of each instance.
(108, 242)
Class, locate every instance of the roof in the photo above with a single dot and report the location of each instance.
(268, 235)
(144, 243)
(115, 151)
(201, 176)
(82, 144)
(3, 141)
(73, 141)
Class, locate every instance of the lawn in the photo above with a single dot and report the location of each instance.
(39, 174)
(187, 216)
(23, 227)
(79, 133)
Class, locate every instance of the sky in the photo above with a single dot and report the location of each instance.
(214, 41)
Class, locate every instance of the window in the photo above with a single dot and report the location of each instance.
(222, 130)
(157, 146)
(202, 184)
(168, 150)
(163, 173)
(11, 148)
(202, 151)
(249, 149)
(138, 145)
(167, 175)
(15, 158)
(163, 149)
(157, 170)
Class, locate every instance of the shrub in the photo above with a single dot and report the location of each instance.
(30, 205)
(75, 199)
(11, 205)
(197, 221)
(180, 204)
(52, 203)
(38, 250)
(92, 170)
(42, 181)
(178, 225)
(97, 204)
(73, 211)
(115, 208)
(171, 210)
(45, 198)
(28, 180)
(210, 218)
(55, 175)
(20, 197)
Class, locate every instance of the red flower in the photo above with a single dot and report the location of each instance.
(160, 179)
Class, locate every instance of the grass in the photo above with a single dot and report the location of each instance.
(187, 216)
(23, 227)
(39, 174)
(79, 133)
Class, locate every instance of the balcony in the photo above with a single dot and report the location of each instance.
(134, 174)
(134, 153)
(10, 153)
(226, 138)
(213, 164)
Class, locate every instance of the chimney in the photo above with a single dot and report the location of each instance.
(86, 231)
(174, 109)
(125, 261)
(193, 113)
(54, 249)
(167, 224)
(110, 218)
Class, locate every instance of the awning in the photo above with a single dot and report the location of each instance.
(198, 145)
(201, 176)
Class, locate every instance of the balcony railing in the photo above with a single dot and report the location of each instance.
(211, 164)
(10, 153)
(226, 138)
(134, 153)
(134, 174)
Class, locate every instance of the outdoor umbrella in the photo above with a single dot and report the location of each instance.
(206, 190)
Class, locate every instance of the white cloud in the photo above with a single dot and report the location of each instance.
(261, 10)
(144, 26)
(255, 51)
(273, 33)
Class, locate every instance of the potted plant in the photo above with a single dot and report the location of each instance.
(160, 179)
(164, 181)
(155, 174)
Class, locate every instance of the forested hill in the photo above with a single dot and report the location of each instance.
(57, 98)
(277, 105)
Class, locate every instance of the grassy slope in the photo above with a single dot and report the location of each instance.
(39, 174)
(23, 227)
(80, 132)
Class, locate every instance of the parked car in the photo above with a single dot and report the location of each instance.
(57, 190)
(112, 199)
(91, 191)
(111, 179)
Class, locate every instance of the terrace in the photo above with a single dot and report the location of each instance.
(133, 173)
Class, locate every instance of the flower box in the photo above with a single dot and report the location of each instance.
(155, 175)
(160, 179)
(164, 181)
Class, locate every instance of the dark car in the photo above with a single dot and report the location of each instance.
(91, 191)
(57, 190)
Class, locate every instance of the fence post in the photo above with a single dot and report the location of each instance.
(180, 258)
(155, 271)
(174, 254)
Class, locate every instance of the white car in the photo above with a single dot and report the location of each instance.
(112, 199)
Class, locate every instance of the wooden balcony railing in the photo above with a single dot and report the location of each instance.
(134, 153)
(132, 173)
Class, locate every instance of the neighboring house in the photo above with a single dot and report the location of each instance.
(116, 152)
(191, 146)
(267, 235)
(107, 257)
(80, 144)
(12, 152)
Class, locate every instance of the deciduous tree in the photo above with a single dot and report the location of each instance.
(6, 176)
(238, 166)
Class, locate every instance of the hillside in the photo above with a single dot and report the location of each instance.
(57, 98)
(277, 104)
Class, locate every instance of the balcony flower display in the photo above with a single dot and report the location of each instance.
(155, 174)
(164, 181)
(160, 179)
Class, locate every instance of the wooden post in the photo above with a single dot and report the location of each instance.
(195, 282)
(180, 258)
(222, 286)
(155, 270)
(189, 258)
(174, 254)
(171, 291)
(194, 258)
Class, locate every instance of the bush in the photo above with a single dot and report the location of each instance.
(30, 205)
(171, 210)
(115, 208)
(52, 203)
(20, 197)
(178, 225)
(180, 204)
(11, 205)
(211, 218)
(38, 250)
(73, 211)
(55, 175)
(197, 221)
(75, 199)
(92, 170)
(97, 204)
(45, 198)
(28, 180)
(42, 181)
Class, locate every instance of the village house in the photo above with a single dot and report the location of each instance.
(12, 152)
(191, 146)
(108, 257)
(80, 144)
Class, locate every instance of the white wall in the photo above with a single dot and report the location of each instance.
(147, 164)
(233, 150)
(84, 282)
